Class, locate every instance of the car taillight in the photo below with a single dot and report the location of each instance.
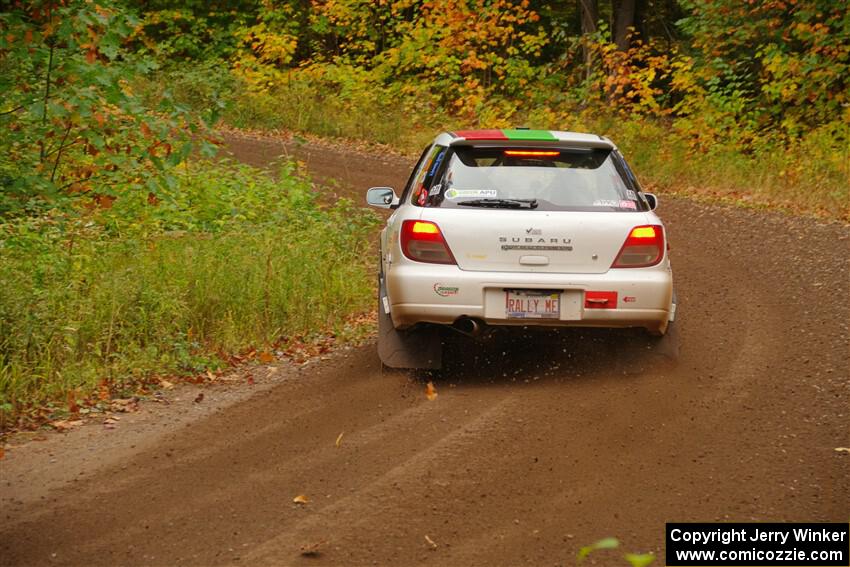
(422, 241)
(643, 247)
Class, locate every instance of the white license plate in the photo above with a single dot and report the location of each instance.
(532, 304)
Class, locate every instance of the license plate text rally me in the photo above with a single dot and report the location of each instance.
(532, 304)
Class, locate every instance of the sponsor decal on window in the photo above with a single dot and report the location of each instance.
(606, 203)
(475, 193)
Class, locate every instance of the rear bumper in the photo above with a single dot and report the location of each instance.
(425, 293)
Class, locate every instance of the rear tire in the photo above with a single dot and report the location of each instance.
(416, 348)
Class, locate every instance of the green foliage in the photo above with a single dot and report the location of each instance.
(327, 100)
(190, 30)
(231, 259)
(756, 115)
(778, 65)
(722, 71)
(208, 88)
(76, 125)
(453, 52)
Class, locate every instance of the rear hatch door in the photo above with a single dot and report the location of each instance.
(520, 240)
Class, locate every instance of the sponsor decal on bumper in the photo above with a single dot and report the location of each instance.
(445, 290)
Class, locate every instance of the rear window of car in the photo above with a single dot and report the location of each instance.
(572, 179)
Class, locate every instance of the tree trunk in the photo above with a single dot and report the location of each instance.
(589, 15)
(624, 19)
(589, 10)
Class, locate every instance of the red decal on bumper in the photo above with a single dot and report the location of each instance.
(600, 300)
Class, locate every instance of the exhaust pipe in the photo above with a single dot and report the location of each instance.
(467, 326)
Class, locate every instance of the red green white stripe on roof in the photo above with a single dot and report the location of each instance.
(541, 135)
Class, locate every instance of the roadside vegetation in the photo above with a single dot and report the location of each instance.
(745, 102)
(127, 256)
(233, 262)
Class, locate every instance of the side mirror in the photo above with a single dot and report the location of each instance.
(383, 197)
(651, 200)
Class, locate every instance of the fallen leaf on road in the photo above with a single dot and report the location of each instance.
(640, 559)
(266, 357)
(312, 549)
(124, 405)
(66, 425)
(210, 375)
(229, 379)
(103, 392)
(166, 384)
(200, 398)
(73, 407)
(250, 379)
(431, 542)
(431, 391)
(605, 543)
(339, 439)
(2, 452)
(842, 449)
(110, 421)
(300, 499)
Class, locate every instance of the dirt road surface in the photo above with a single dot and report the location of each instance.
(534, 446)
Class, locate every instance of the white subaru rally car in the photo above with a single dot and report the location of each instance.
(517, 228)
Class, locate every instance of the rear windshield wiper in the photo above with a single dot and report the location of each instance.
(500, 203)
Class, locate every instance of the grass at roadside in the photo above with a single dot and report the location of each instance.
(233, 260)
